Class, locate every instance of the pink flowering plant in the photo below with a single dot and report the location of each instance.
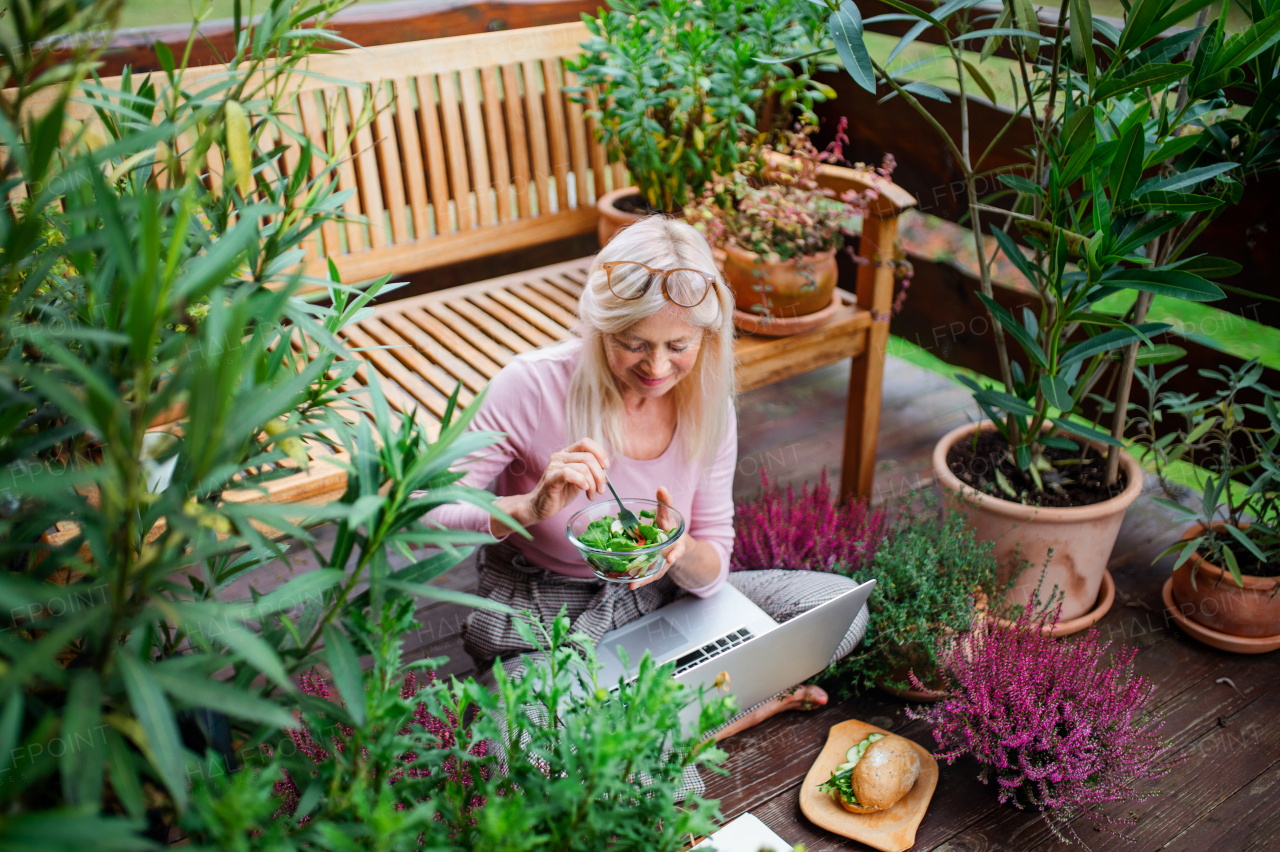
(1058, 724)
(809, 531)
(772, 204)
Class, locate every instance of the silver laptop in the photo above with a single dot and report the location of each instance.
(727, 633)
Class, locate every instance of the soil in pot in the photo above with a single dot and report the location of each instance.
(636, 205)
(1082, 484)
(1249, 563)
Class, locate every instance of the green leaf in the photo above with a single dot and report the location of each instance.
(1182, 180)
(983, 83)
(298, 590)
(1175, 202)
(84, 750)
(1086, 432)
(1016, 330)
(1207, 266)
(192, 690)
(1240, 536)
(449, 595)
(1175, 283)
(255, 651)
(1160, 353)
(152, 710)
(1126, 167)
(845, 28)
(1005, 402)
(1021, 184)
(1059, 443)
(1077, 129)
(344, 665)
(1057, 392)
(1109, 340)
(1229, 556)
(1156, 76)
(1081, 24)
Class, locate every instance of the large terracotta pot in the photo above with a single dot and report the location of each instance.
(1081, 537)
(788, 288)
(613, 219)
(1219, 604)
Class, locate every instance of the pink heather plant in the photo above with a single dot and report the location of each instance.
(1057, 723)
(808, 532)
(311, 683)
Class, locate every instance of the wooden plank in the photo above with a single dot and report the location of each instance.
(516, 130)
(411, 158)
(346, 169)
(456, 147)
(599, 154)
(529, 314)
(436, 350)
(537, 135)
(437, 171)
(464, 245)
(313, 127)
(549, 307)
(366, 165)
(577, 144)
(499, 353)
(559, 134)
(401, 380)
(559, 295)
(389, 160)
(501, 329)
(407, 353)
(453, 343)
(476, 145)
(497, 141)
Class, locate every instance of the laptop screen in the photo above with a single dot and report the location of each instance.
(659, 637)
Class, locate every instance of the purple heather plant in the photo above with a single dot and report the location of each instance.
(809, 531)
(1059, 724)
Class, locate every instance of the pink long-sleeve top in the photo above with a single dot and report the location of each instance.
(526, 401)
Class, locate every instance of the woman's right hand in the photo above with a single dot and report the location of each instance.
(577, 468)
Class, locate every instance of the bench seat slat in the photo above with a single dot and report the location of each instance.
(495, 350)
(530, 314)
(414, 359)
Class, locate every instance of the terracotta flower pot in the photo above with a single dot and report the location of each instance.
(788, 288)
(1219, 604)
(1081, 537)
(612, 218)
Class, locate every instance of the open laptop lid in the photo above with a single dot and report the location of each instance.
(785, 656)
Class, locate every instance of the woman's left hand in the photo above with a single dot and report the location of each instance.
(665, 521)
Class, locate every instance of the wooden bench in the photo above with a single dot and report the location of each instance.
(500, 159)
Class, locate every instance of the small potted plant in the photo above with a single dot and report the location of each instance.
(933, 579)
(678, 89)
(1227, 574)
(1057, 724)
(776, 232)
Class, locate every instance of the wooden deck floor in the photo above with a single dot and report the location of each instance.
(1222, 711)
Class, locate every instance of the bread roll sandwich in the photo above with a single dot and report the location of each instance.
(877, 772)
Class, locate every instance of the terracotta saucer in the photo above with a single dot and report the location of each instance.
(784, 326)
(893, 830)
(1106, 597)
(1212, 638)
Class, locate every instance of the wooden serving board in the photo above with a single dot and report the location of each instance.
(893, 830)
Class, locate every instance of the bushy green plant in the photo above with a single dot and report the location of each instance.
(1238, 444)
(683, 88)
(930, 575)
(1119, 181)
(116, 682)
(576, 768)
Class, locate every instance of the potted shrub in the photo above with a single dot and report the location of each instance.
(677, 89)
(776, 233)
(1227, 574)
(934, 579)
(1058, 725)
(1107, 202)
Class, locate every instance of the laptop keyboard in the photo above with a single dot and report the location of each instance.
(712, 649)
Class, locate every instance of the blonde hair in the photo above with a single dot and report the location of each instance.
(704, 398)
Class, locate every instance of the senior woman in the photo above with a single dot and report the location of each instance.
(645, 394)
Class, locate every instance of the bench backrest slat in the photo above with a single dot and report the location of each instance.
(475, 148)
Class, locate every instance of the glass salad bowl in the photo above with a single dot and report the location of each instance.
(612, 554)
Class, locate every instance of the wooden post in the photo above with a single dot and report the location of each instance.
(866, 374)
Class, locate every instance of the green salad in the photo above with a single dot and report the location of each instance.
(608, 533)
